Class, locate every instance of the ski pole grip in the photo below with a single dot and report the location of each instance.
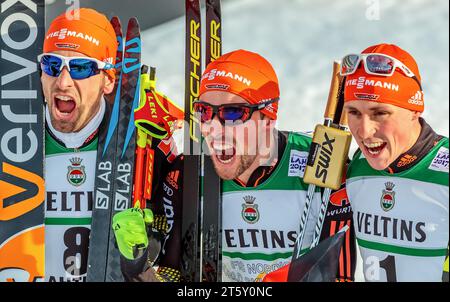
(330, 110)
(343, 122)
(144, 69)
(152, 74)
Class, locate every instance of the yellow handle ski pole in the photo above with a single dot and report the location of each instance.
(319, 139)
(327, 192)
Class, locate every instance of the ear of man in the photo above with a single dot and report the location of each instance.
(416, 115)
(108, 86)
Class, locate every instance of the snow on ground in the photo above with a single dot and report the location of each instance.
(302, 38)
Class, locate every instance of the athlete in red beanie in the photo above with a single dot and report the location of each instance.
(262, 191)
(88, 44)
(384, 99)
(397, 182)
(77, 70)
(245, 74)
(244, 88)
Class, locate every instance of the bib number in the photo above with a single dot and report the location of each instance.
(75, 256)
(374, 264)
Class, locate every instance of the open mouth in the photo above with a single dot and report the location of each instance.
(374, 148)
(65, 104)
(224, 152)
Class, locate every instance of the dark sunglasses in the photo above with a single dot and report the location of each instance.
(228, 112)
(79, 67)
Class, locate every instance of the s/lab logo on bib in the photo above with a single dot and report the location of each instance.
(440, 161)
(297, 163)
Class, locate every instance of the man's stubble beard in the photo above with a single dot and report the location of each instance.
(245, 161)
(64, 127)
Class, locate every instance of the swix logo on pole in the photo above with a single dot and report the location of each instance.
(324, 158)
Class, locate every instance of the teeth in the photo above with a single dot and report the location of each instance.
(374, 148)
(373, 152)
(224, 161)
(373, 145)
(64, 98)
(222, 147)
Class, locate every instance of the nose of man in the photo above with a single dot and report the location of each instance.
(212, 128)
(366, 127)
(64, 79)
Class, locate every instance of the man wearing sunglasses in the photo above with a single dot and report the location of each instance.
(397, 182)
(76, 72)
(263, 193)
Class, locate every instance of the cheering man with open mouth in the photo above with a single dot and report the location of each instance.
(76, 72)
(397, 182)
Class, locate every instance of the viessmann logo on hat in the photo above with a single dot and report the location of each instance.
(226, 74)
(64, 33)
(362, 82)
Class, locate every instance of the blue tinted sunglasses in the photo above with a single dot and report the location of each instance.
(79, 67)
(229, 112)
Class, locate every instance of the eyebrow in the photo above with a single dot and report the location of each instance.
(371, 109)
